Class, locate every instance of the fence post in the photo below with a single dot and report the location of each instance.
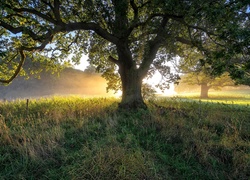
(27, 107)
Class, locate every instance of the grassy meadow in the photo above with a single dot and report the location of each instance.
(87, 138)
(237, 97)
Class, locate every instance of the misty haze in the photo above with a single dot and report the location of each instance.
(69, 82)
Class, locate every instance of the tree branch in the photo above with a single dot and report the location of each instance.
(38, 48)
(113, 60)
(135, 8)
(154, 45)
(56, 10)
(183, 40)
(33, 11)
(17, 69)
(91, 26)
(144, 4)
(16, 30)
(47, 3)
(182, 21)
(138, 24)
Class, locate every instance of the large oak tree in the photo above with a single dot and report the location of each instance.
(134, 37)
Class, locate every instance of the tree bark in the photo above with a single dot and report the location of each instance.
(204, 90)
(131, 89)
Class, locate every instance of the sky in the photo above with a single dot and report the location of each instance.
(83, 63)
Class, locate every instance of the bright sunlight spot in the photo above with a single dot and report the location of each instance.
(118, 94)
(155, 80)
(83, 63)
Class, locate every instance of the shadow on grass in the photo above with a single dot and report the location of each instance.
(89, 139)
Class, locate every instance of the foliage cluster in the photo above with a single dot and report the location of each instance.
(76, 138)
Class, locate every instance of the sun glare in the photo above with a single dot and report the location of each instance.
(155, 80)
(83, 63)
(118, 94)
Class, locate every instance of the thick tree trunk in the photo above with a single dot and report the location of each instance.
(131, 89)
(204, 90)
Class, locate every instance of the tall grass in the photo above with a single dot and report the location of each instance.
(77, 138)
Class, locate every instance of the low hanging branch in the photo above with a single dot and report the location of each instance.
(22, 59)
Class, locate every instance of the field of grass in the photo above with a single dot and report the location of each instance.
(86, 138)
(239, 97)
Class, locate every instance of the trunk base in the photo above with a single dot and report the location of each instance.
(204, 91)
(134, 105)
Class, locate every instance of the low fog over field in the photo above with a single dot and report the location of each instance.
(70, 81)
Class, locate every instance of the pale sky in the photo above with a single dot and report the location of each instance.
(83, 63)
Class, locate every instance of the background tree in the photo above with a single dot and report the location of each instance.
(195, 73)
(126, 39)
(205, 82)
